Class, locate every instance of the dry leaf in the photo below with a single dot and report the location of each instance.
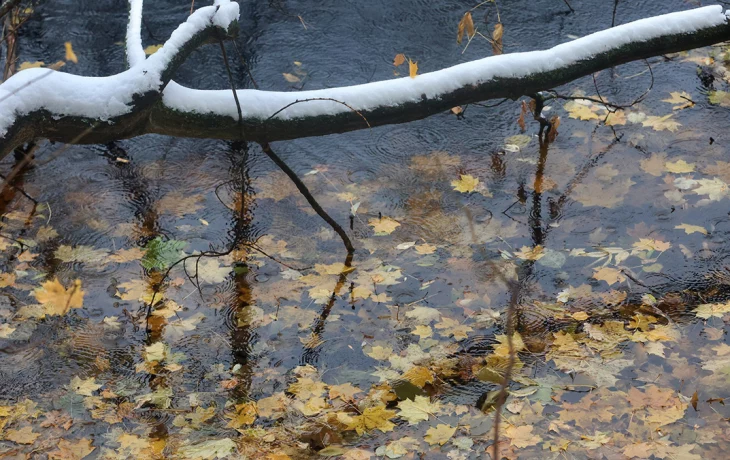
(609, 275)
(465, 25)
(399, 59)
(440, 434)
(497, 38)
(690, 229)
(384, 225)
(466, 183)
(412, 68)
(291, 78)
(70, 55)
(56, 299)
(681, 99)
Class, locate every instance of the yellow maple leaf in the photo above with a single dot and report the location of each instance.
(84, 387)
(662, 123)
(708, 310)
(291, 78)
(521, 436)
(7, 279)
(609, 275)
(679, 167)
(31, 65)
(690, 229)
(68, 450)
(22, 436)
(56, 299)
(152, 49)
(384, 225)
(616, 118)
(345, 391)
(648, 244)
(70, 55)
(440, 434)
(419, 376)
(372, 418)
(528, 253)
(682, 100)
(418, 409)
(412, 68)
(466, 183)
(582, 111)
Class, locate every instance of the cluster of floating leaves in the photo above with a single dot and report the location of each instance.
(608, 368)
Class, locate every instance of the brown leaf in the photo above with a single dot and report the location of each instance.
(399, 59)
(497, 38)
(56, 299)
(465, 25)
(694, 400)
(554, 125)
(521, 119)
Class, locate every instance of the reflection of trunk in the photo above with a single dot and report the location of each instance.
(243, 335)
(310, 355)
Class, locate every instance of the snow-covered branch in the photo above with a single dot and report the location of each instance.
(68, 105)
(45, 103)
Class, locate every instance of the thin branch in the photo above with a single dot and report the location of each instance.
(308, 196)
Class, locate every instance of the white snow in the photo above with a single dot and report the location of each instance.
(107, 97)
(263, 104)
(102, 98)
(135, 50)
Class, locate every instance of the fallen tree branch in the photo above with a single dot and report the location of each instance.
(185, 112)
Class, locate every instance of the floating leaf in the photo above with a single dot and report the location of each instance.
(679, 167)
(417, 410)
(662, 123)
(70, 55)
(440, 434)
(690, 229)
(152, 49)
(384, 225)
(291, 78)
(682, 100)
(372, 418)
(56, 299)
(609, 275)
(412, 68)
(465, 184)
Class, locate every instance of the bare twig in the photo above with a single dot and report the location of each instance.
(308, 196)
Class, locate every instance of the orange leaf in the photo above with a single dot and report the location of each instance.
(70, 55)
(497, 38)
(465, 25)
(412, 68)
(399, 59)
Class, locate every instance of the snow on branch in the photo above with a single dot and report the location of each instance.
(49, 95)
(188, 112)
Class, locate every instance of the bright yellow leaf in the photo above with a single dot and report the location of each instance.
(679, 167)
(372, 418)
(412, 68)
(466, 183)
(440, 434)
(56, 299)
(70, 55)
(384, 225)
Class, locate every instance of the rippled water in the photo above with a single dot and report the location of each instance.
(98, 201)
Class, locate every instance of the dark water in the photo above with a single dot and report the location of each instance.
(97, 201)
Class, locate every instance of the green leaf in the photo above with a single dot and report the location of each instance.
(161, 254)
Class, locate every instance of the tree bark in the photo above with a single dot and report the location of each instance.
(152, 113)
